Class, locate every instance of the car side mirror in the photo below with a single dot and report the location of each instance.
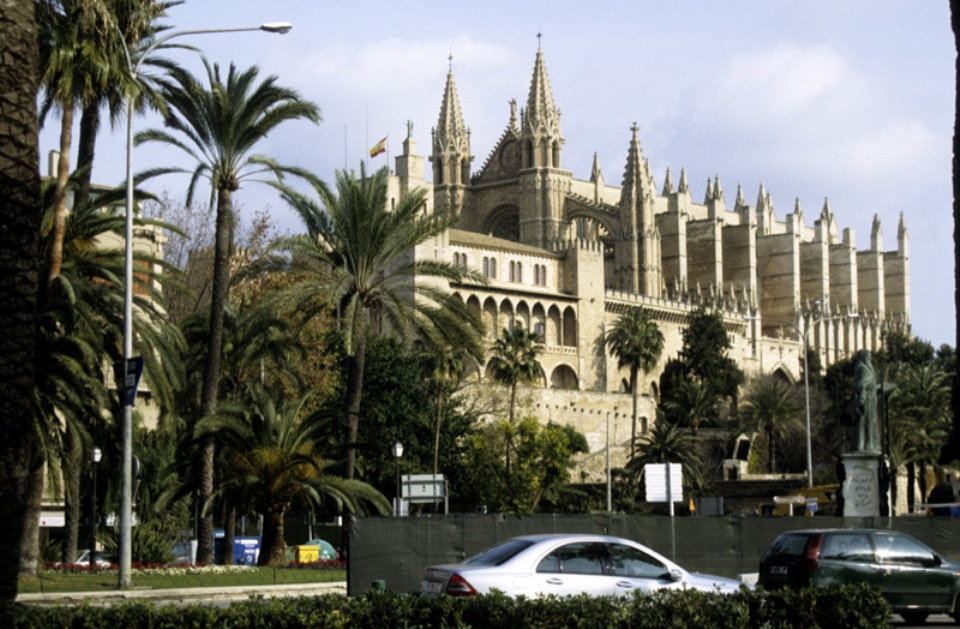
(676, 575)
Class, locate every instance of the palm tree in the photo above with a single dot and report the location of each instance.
(771, 406)
(920, 418)
(20, 216)
(272, 450)
(692, 403)
(361, 249)
(668, 443)
(82, 59)
(637, 343)
(514, 361)
(82, 334)
(217, 127)
(443, 370)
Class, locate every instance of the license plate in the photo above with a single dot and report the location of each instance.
(778, 570)
(432, 587)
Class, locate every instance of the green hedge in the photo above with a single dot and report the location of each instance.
(846, 606)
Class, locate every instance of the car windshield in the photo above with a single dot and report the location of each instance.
(500, 553)
(794, 545)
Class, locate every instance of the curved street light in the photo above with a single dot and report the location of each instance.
(807, 316)
(126, 487)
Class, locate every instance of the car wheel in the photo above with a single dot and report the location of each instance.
(914, 618)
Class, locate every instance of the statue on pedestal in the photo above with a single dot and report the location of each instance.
(865, 404)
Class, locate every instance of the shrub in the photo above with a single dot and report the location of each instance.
(853, 606)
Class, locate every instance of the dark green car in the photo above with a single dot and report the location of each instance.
(915, 580)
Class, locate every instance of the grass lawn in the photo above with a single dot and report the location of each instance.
(165, 578)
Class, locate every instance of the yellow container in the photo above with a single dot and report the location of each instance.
(308, 554)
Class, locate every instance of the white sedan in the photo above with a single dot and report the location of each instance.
(541, 565)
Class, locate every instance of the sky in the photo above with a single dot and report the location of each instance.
(851, 101)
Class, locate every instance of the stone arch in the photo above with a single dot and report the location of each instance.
(569, 328)
(522, 315)
(564, 377)
(490, 317)
(538, 321)
(503, 222)
(553, 326)
(505, 318)
(781, 373)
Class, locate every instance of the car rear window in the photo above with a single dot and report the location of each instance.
(789, 544)
(500, 553)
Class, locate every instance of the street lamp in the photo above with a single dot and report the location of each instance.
(94, 519)
(397, 453)
(806, 375)
(126, 487)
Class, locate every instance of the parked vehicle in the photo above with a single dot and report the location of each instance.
(944, 500)
(916, 580)
(102, 560)
(540, 565)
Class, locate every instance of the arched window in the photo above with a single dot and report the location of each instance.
(536, 275)
(540, 331)
(513, 271)
(486, 266)
(519, 277)
(493, 268)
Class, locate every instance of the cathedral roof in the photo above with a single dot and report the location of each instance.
(483, 241)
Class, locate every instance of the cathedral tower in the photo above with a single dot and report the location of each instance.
(638, 240)
(543, 185)
(451, 152)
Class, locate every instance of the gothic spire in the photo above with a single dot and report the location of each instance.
(636, 182)
(684, 186)
(451, 132)
(708, 197)
(667, 184)
(596, 175)
(541, 115)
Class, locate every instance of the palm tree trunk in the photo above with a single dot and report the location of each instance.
(220, 292)
(20, 216)
(633, 427)
(229, 530)
(72, 472)
(355, 367)
(771, 453)
(86, 148)
(60, 196)
(436, 433)
(30, 541)
(911, 482)
(271, 551)
(951, 451)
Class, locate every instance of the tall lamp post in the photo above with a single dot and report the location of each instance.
(803, 332)
(397, 453)
(127, 383)
(94, 517)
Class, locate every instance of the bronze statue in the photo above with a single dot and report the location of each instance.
(865, 404)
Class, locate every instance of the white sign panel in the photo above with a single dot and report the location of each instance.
(655, 475)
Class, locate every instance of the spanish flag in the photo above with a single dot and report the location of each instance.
(379, 147)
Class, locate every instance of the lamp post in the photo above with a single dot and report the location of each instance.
(94, 518)
(124, 385)
(397, 453)
(806, 376)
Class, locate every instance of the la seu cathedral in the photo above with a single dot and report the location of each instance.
(565, 256)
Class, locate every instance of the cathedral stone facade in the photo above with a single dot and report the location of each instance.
(566, 256)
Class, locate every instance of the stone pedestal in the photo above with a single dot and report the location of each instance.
(863, 480)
